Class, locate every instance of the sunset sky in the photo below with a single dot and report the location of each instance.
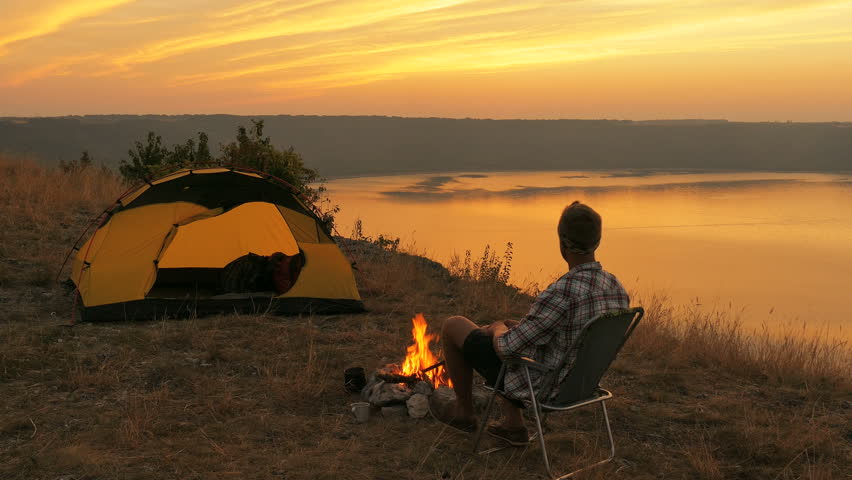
(632, 59)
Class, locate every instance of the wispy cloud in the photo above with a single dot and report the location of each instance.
(335, 17)
(30, 19)
(56, 68)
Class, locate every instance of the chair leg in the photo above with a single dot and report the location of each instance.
(611, 448)
(541, 442)
(608, 433)
(537, 415)
(488, 408)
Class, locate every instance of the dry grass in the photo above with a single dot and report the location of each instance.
(41, 193)
(716, 339)
(261, 397)
(42, 211)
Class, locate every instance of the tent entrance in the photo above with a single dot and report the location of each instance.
(183, 282)
(192, 263)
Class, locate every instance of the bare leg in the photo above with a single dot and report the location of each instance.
(453, 334)
(511, 414)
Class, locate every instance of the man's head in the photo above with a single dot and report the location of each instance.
(579, 231)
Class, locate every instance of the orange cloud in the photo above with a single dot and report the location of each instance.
(30, 19)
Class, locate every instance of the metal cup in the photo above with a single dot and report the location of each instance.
(361, 411)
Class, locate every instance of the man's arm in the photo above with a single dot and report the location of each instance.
(537, 327)
(497, 330)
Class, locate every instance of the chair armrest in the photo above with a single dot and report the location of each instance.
(529, 362)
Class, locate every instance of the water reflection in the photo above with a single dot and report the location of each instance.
(775, 244)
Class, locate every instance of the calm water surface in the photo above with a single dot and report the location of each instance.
(775, 246)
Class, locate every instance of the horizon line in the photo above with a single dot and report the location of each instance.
(679, 119)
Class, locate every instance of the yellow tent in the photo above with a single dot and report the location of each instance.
(161, 248)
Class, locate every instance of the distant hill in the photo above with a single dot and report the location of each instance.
(348, 146)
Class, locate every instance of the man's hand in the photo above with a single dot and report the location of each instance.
(499, 327)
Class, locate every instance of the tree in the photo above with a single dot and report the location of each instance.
(202, 153)
(153, 159)
(251, 149)
(144, 160)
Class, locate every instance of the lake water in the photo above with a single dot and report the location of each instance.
(776, 246)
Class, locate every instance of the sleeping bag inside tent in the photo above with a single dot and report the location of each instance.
(212, 240)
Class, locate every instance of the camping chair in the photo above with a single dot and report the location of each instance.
(597, 345)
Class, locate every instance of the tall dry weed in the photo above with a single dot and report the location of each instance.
(716, 337)
(32, 192)
(42, 212)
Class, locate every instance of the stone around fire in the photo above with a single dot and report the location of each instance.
(382, 394)
(418, 405)
(397, 411)
(443, 398)
(423, 388)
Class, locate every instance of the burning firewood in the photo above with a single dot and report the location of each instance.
(392, 373)
(397, 378)
(419, 361)
(433, 367)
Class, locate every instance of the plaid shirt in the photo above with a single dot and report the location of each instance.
(547, 333)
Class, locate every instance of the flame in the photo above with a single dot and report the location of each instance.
(420, 357)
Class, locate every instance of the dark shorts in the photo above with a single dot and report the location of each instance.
(478, 352)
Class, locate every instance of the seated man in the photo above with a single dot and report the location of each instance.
(546, 334)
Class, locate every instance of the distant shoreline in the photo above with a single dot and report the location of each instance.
(645, 172)
(647, 121)
(359, 146)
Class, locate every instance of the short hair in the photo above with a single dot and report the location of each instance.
(580, 228)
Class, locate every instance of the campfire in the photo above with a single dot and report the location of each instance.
(405, 389)
(420, 362)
